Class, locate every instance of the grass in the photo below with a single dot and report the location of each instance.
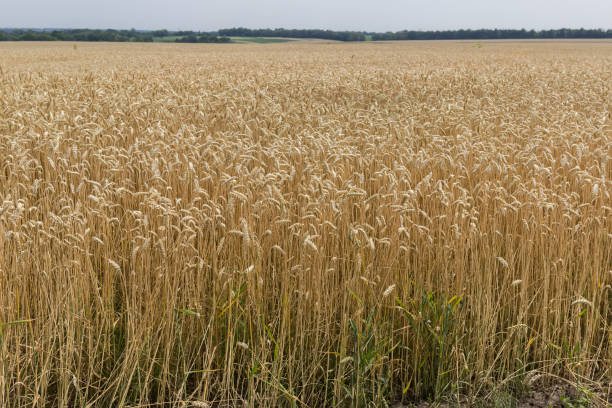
(261, 40)
(168, 38)
(303, 226)
(258, 40)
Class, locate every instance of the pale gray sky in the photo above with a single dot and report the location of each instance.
(360, 15)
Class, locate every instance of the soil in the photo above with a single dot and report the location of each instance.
(558, 396)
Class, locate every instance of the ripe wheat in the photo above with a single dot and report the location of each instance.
(302, 224)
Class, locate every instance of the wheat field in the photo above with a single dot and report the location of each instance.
(303, 224)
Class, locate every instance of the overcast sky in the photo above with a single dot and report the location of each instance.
(359, 15)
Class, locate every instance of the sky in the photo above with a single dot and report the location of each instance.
(357, 15)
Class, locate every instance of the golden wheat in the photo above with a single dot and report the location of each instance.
(302, 224)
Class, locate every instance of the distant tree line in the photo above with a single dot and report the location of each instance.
(492, 34)
(76, 35)
(107, 35)
(222, 36)
(282, 32)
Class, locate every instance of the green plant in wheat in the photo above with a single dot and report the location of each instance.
(4, 326)
(434, 322)
(582, 399)
(366, 368)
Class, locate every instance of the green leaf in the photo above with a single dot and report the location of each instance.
(16, 322)
(188, 312)
(355, 296)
